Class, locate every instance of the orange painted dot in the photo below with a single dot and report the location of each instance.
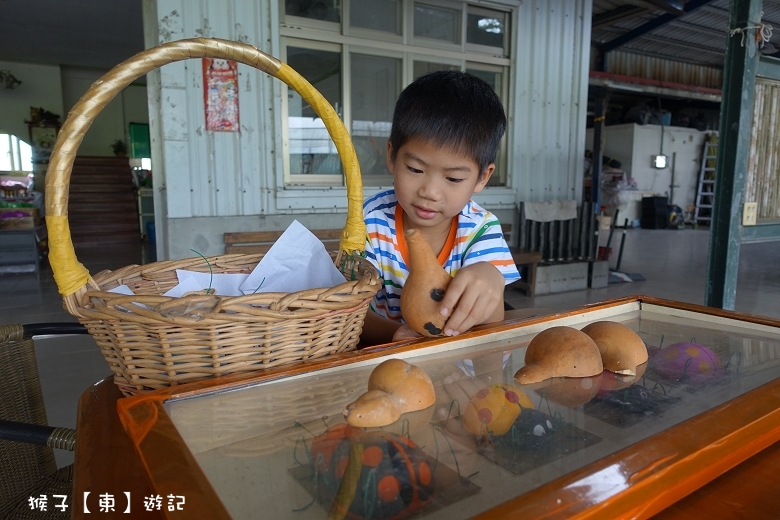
(671, 353)
(341, 467)
(483, 393)
(388, 488)
(425, 474)
(704, 367)
(372, 456)
(692, 352)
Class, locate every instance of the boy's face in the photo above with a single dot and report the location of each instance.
(433, 184)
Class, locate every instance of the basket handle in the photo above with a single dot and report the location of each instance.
(71, 275)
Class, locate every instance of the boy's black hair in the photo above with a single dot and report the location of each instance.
(450, 108)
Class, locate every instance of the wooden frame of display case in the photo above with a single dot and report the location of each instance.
(637, 481)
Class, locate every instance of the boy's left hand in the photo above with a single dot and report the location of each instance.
(476, 294)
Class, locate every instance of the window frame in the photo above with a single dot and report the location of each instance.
(345, 39)
(487, 49)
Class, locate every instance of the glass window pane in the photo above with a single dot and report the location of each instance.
(491, 78)
(311, 149)
(379, 15)
(421, 68)
(494, 79)
(6, 155)
(486, 28)
(25, 156)
(376, 83)
(327, 10)
(437, 23)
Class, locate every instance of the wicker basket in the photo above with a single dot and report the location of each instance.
(158, 344)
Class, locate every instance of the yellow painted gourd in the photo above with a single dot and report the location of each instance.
(424, 288)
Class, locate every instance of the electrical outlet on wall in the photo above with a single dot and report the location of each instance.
(749, 213)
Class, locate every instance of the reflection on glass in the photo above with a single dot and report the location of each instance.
(379, 15)
(327, 10)
(486, 28)
(421, 68)
(311, 149)
(437, 23)
(376, 83)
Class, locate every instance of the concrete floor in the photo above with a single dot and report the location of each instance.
(673, 262)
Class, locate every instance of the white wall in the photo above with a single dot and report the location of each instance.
(216, 176)
(41, 87)
(550, 99)
(130, 105)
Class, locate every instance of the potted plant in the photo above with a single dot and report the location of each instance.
(120, 148)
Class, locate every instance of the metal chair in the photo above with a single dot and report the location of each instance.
(27, 465)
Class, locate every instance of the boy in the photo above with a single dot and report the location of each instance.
(442, 149)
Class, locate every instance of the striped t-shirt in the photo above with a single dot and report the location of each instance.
(475, 236)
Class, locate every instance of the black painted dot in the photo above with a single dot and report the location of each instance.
(432, 329)
(437, 294)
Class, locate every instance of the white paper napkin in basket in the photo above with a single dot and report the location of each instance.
(297, 261)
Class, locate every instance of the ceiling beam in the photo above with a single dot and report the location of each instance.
(700, 28)
(670, 6)
(621, 13)
(633, 34)
(687, 45)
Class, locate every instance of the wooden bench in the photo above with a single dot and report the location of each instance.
(253, 242)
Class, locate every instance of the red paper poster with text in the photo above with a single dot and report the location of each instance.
(220, 94)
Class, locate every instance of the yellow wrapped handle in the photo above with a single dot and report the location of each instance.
(71, 275)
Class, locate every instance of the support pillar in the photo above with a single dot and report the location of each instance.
(739, 72)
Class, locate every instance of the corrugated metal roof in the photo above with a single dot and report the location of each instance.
(697, 38)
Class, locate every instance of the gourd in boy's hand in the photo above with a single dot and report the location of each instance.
(394, 387)
(424, 289)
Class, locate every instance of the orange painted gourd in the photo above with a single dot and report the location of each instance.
(424, 288)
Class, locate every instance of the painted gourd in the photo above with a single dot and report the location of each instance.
(394, 477)
(424, 289)
(560, 352)
(688, 363)
(493, 410)
(394, 387)
(622, 350)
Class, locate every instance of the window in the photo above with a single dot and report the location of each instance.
(359, 55)
(376, 83)
(487, 28)
(377, 15)
(437, 23)
(311, 150)
(15, 154)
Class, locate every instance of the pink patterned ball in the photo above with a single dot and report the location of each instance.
(688, 363)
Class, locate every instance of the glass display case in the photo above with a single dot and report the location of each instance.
(277, 442)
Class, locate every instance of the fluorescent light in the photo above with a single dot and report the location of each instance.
(620, 86)
(660, 161)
